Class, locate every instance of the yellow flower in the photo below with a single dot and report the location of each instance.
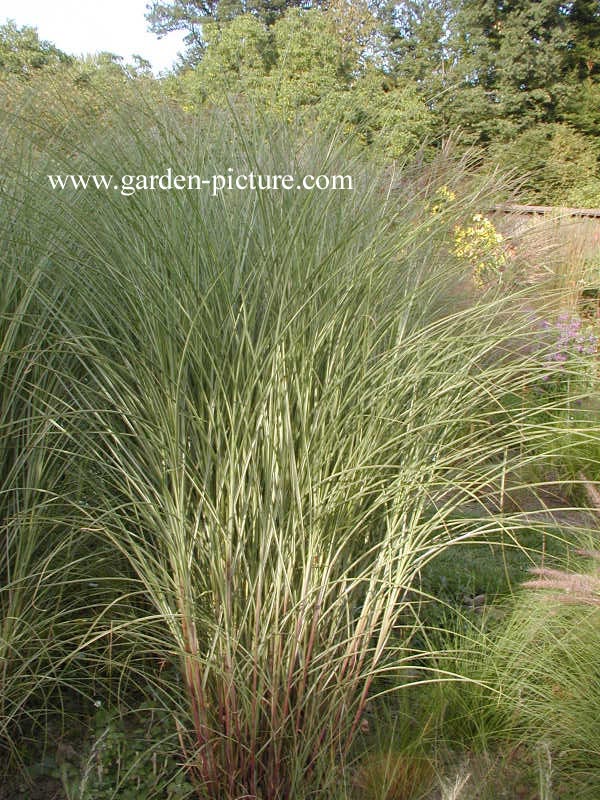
(441, 199)
(481, 246)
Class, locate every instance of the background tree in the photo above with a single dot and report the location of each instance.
(323, 66)
(581, 107)
(511, 67)
(584, 48)
(22, 51)
(237, 58)
(418, 41)
(418, 33)
(191, 16)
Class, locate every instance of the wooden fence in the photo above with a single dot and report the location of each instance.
(553, 211)
(571, 233)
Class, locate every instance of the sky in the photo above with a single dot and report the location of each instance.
(90, 26)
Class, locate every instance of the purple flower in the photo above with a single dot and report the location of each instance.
(570, 340)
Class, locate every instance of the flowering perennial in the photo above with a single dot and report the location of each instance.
(573, 340)
(482, 246)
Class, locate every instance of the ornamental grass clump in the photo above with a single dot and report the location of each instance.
(46, 600)
(275, 421)
(545, 657)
